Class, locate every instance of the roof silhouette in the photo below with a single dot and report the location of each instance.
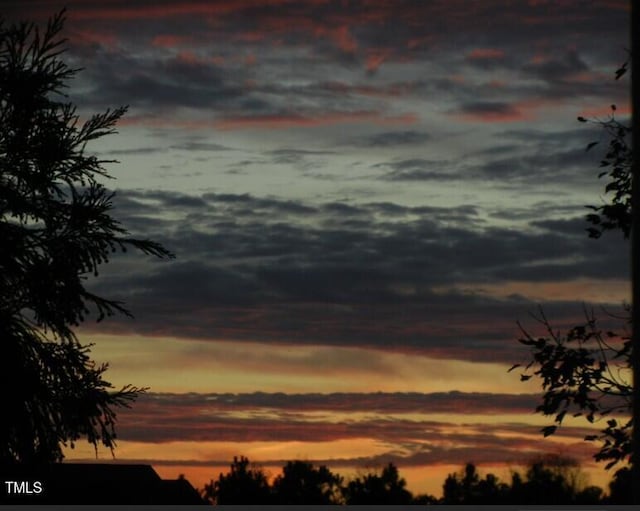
(93, 483)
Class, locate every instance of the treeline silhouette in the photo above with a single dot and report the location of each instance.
(547, 480)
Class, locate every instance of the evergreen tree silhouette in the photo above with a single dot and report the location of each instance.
(55, 231)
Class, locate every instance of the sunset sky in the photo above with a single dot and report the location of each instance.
(363, 198)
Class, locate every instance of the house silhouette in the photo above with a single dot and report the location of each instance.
(92, 484)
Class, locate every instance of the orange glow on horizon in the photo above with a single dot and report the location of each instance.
(589, 290)
(169, 364)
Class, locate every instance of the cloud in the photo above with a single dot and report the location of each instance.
(565, 166)
(490, 111)
(291, 120)
(160, 83)
(184, 64)
(485, 54)
(318, 272)
(416, 169)
(489, 59)
(557, 68)
(378, 275)
(302, 159)
(393, 138)
(297, 417)
(193, 145)
(136, 151)
(447, 280)
(408, 425)
(453, 402)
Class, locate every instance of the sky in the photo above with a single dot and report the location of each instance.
(363, 199)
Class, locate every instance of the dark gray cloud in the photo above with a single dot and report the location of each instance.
(572, 226)
(244, 226)
(393, 139)
(564, 168)
(194, 145)
(417, 174)
(557, 157)
(483, 108)
(156, 84)
(301, 159)
(136, 151)
(377, 274)
(558, 67)
(417, 169)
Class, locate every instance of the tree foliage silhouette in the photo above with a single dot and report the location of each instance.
(244, 484)
(584, 372)
(469, 489)
(616, 213)
(302, 483)
(56, 230)
(548, 480)
(620, 487)
(582, 375)
(553, 479)
(385, 488)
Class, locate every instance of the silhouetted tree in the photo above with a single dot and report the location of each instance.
(553, 479)
(582, 375)
(589, 495)
(244, 484)
(302, 483)
(386, 488)
(425, 499)
(582, 371)
(546, 483)
(548, 480)
(617, 162)
(55, 230)
(468, 488)
(620, 487)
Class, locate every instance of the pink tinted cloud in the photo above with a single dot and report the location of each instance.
(604, 112)
(272, 18)
(454, 14)
(89, 38)
(375, 58)
(169, 40)
(496, 84)
(278, 24)
(188, 57)
(124, 10)
(485, 54)
(343, 39)
(419, 42)
(538, 59)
